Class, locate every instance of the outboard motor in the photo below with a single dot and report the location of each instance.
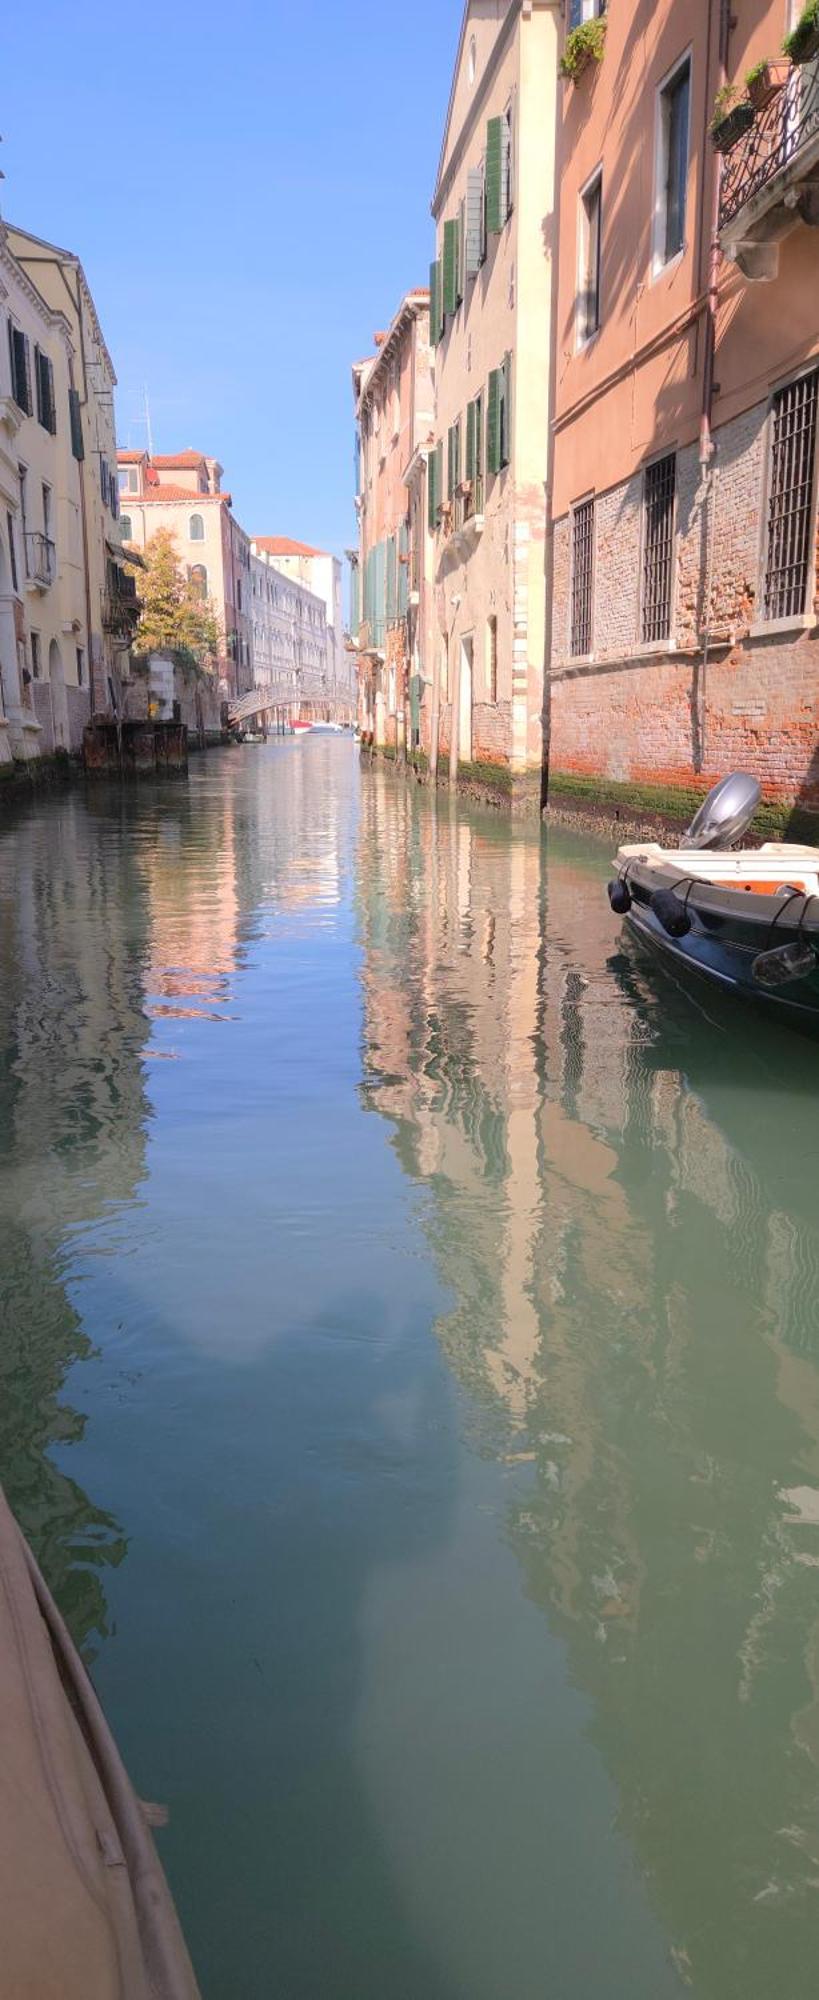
(726, 813)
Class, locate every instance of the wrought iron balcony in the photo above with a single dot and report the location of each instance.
(121, 606)
(770, 178)
(41, 560)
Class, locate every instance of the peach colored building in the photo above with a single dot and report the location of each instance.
(684, 616)
(391, 594)
(491, 317)
(183, 492)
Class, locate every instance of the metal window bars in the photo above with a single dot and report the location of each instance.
(658, 547)
(582, 578)
(790, 497)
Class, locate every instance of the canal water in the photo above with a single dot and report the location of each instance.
(410, 1387)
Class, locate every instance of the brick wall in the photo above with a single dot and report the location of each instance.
(661, 716)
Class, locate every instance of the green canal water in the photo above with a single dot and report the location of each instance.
(410, 1387)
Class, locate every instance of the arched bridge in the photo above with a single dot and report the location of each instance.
(292, 697)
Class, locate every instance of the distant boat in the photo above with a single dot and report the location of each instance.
(300, 728)
(327, 729)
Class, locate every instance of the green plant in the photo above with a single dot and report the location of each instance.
(801, 37)
(755, 75)
(723, 103)
(584, 44)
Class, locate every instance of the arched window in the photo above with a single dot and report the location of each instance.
(196, 528)
(125, 524)
(198, 576)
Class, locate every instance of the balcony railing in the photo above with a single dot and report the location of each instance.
(41, 558)
(774, 145)
(121, 606)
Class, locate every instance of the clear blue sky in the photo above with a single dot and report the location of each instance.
(248, 188)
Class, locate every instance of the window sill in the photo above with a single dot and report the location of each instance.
(776, 628)
(662, 267)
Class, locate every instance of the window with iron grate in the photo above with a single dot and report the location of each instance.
(658, 547)
(791, 497)
(582, 577)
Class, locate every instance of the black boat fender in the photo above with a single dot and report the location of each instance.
(671, 912)
(619, 895)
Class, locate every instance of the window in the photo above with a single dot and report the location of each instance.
(238, 593)
(46, 511)
(588, 260)
(585, 10)
(453, 459)
(80, 666)
(46, 406)
(198, 577)
(498, 413)
(472, 62)
(672, 164)
(658, 547)
(20, 368)
(12, 552)
(196, 528)
(791, 498)
(127, 531)
(580, 642)
(36, 661)
(129, 479)
(474, 455)
(492, 657)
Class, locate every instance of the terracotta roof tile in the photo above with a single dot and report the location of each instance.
(129, 457)
(179, 458)
(279, 545)
(159, 493)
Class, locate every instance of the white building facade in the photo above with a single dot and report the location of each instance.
(289, 632)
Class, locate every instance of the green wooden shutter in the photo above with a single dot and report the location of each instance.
(493, 422)
(435, 303)
(506, 411)
(403, 569)
(451, 267)
(432, 497)
(495, 219)
(470, 440)
(75, 423)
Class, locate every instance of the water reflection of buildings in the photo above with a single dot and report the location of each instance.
(621, 1207)
(72, 1136)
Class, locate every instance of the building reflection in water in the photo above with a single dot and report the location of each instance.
(621, 1204)
(72, 1137)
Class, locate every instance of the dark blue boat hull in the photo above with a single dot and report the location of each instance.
(724, 957)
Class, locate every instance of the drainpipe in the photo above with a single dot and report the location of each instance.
(706, 452)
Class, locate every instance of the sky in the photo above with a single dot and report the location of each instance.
(248, 188)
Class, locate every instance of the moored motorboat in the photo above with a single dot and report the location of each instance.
(743, 918)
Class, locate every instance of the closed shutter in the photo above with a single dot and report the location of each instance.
(392, 580)
(470, 440)
(450, 267)
(493, 422)
(506, 411)
(474, 221)
(435, 303)
(403, 569)
(495, 217)
(432, 497)
(38, 385)
(75, 424)
(20, 369)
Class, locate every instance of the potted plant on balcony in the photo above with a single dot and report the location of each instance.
(765, 81)
(584, 45)
(732, 118)
(802, 44)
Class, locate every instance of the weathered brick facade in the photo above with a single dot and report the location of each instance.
(676, 715)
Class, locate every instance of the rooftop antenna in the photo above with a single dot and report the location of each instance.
(149, 432)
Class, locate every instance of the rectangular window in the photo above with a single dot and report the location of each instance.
(35, 655)
(75, 421)
(20, 368)
(672, 164)
(585, 10)
(588, 259)
(582, 578)
(475, 224)
(12, 552)
(44, 377)
(498, 417)
(80, 666)
(498, 171)
(474, 456)
(453, 459)
(791, 504)
(658, 547)
(46, 510)
(492, 657)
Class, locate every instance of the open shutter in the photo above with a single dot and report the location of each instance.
(493, 422)
(435, 303)
(75, 424)
(450, 267)
(495, 218)
(474, 221)
(506, 411)
(38, 385)
(470, 441)
(403, 569)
